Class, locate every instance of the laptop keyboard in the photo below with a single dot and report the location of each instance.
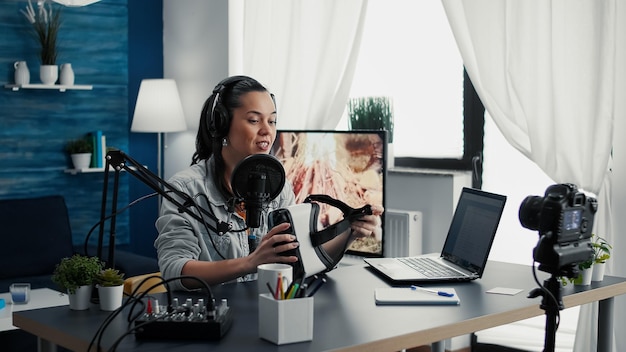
(429, 267)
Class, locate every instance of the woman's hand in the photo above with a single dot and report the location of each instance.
(369, 225)
(273, 245)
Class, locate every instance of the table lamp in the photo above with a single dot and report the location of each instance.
(158, 110)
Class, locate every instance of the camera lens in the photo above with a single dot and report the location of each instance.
(530, 211)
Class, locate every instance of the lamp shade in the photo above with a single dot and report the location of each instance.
(158, 107)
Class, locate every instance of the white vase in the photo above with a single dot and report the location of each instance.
(110, 297)
(66, 78)
(598, 271)
(81, 299)
(81, 160)
(22, 74)
(48, 74)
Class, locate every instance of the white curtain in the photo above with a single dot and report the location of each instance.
(305, 52)
(545, 71)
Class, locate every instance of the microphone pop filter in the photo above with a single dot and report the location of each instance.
(264, 164)
(257, 179)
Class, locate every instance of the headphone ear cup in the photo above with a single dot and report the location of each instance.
(218, 119)
(218, 127)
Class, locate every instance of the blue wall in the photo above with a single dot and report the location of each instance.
(145, 60)
(36, 124)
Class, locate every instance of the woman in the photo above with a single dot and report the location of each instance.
(237, 120)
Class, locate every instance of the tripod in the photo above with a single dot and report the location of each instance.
(551, 303)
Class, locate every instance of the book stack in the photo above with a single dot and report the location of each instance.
(98, 140)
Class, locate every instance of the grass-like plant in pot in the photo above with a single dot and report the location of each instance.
(371, 113)
(76, 271)
(109, 277)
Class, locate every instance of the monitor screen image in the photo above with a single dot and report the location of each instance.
(349, 166)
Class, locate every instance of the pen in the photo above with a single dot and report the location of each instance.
(292, 292)
(279, 284)
(440, 293)
(316, 286)
(302, 290)
(272, 292)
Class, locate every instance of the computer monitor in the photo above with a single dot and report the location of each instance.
(346, 165)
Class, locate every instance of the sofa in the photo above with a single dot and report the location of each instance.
(36, 235)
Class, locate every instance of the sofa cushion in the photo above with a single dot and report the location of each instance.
(35, 235)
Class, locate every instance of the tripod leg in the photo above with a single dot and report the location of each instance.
(551, 304)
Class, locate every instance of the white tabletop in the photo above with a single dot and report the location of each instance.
(39, 298)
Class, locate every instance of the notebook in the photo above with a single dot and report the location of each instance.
(465, 251)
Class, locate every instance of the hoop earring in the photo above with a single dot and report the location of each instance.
(224, 142)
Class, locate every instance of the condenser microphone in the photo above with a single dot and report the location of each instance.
(255, 197)
(257, 180)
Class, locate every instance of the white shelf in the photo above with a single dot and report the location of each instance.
(60, 88)
(91, 170)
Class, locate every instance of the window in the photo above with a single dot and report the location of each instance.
(408, 53)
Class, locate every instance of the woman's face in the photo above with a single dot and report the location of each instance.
(253, 128)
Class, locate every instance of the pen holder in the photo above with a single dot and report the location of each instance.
(285, 321)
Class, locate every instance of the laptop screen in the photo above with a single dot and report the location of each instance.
(473, 228)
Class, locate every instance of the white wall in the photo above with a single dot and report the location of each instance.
(195, 45)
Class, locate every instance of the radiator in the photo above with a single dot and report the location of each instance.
(403, 233)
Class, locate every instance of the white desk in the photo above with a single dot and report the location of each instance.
(39, 298)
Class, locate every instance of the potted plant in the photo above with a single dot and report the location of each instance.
(110, 283)
(601, 253)
(80, 151)
(45, 23)
(373, 113)
(76, 275)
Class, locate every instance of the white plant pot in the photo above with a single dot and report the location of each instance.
(598, 271)
(81, 160)
(48, 74)
(584, 278)
(81, 299)
(110, 297)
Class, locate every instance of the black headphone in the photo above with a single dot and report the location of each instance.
(218, 117)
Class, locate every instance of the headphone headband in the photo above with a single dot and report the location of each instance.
(218, 122)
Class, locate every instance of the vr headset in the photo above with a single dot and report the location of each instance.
(319, 251)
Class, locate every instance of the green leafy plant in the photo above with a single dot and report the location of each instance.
(46, 23)
(601, 249)
(371, 113)
(77, 146)
(110, 277)
(75, 271)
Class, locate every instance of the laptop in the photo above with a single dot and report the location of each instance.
(465, 251)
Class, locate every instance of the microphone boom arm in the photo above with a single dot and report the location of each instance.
(117, 161)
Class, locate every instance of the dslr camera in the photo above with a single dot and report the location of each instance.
(564, 218)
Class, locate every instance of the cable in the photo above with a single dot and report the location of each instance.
(206, 226)
(550, 295)
(101, 222)
(135, 299)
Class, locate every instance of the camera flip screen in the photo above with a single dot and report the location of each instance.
(571, 219)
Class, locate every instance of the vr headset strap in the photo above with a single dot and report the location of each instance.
(350, 214)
